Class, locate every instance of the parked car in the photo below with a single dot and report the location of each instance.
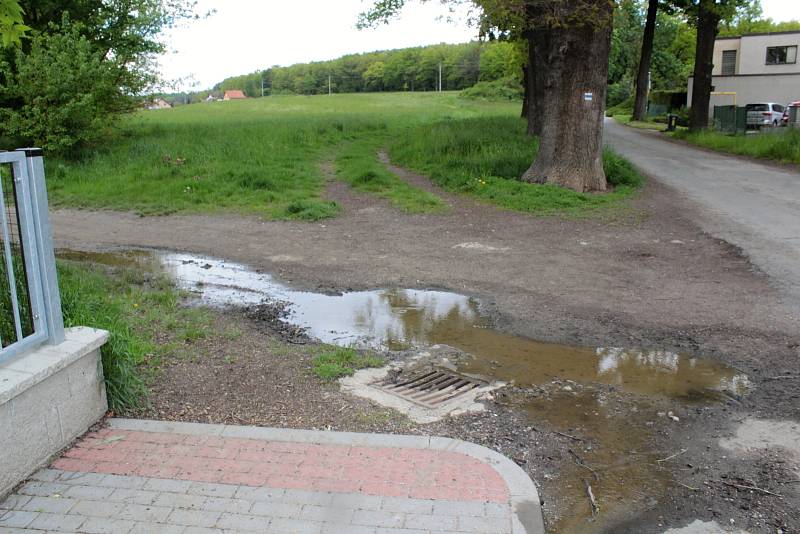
(764, 114)
(785, 119)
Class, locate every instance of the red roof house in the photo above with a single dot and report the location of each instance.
(234, 94)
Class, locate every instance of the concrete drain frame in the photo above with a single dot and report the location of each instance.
(424, 393)
(430, 388)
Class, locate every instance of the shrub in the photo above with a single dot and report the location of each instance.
(623, 108)
(618, 93)
(503, 89)
(62, 94)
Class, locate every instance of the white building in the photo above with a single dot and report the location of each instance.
(759, 67)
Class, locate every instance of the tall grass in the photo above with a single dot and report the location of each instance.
(258, 156)
(136, 308)
(485, 156)
(782, 146)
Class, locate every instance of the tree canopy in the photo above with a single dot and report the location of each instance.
(408, 69)
(83, 65)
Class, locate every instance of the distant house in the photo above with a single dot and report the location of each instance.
(234, 94)
(211, 98)
(758, 67)
(159, 103)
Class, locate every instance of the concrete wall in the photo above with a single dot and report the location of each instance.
(721, 45)
(48, 398)
(780, 89)
(751, 53)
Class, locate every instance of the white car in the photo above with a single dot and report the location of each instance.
(764, 114)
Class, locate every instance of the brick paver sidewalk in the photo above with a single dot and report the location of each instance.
(145, 476)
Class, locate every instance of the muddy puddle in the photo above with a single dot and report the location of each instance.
(612, 400)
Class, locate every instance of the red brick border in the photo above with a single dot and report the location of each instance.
(384, 471)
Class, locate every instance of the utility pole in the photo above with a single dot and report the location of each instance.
(440, 76)
(329, 85)
(262, 86)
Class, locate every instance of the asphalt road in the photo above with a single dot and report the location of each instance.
(751, 205)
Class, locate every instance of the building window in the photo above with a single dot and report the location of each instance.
(781, 55)
(728, 62)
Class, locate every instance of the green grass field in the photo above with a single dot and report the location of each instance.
(263, 157)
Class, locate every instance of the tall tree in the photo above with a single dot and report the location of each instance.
(86, 63)
(706, 16)
(643, 73)
(568, 43)
(707, 28)
(571, 41)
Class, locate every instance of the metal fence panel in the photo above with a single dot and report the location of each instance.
(730, 119)
(28, 289)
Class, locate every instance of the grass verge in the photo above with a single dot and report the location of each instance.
(782, 146)
(642, 125)
(336, 362)
(358, 165)
(143, 317)
(484, 156)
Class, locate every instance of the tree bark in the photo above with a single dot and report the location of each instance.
(572, 60)
(537, 40)
(707, 29)
(643, 75)
(525, 91)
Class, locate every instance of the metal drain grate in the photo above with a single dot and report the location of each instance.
(430, 388)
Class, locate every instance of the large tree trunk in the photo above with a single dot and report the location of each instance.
(707, 28)
(643, 75)
(572, 60)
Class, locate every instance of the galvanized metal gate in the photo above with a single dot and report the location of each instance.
(30, 303)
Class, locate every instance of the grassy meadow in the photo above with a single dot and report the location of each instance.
(264, 157)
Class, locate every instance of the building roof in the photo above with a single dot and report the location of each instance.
(235, 93)
(757, 34)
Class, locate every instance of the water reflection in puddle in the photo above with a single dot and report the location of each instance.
(399, 318)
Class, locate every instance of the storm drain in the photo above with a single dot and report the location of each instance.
(430, 389)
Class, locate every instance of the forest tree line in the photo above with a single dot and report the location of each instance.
(499, 57)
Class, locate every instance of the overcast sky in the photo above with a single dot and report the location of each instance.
(247, 35)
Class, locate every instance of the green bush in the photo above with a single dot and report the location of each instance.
(618, 93)
(508, 88)
(62, 94)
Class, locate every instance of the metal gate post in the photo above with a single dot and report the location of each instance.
(44, 244)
